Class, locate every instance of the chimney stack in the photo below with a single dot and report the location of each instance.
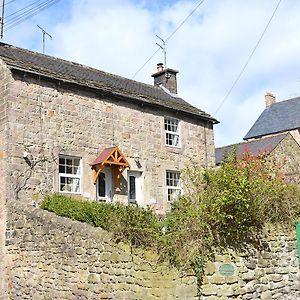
(270, 99)
(166, 78)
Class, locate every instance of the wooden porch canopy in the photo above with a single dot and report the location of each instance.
(110, 157)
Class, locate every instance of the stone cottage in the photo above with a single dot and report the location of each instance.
(277, 132)
(72, 129)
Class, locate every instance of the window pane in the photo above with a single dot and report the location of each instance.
(173, 194)
(62, 169)
(76, 162)
(69, 161)
(75, 185)
(132, 189)
(101, 185)
(175, 140)
(62, 161)
(65, 184)
(76, 170)
(69, 170)
(172, 139)
(173, 179)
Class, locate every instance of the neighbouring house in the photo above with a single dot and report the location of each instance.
(277, 132)
(278, 117)
(72, 129)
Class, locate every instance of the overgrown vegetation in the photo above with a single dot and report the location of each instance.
(226, 207)
(139, 226)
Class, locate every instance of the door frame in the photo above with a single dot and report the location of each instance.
(108, 186)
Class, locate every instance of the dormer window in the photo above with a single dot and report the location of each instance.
(172, 137)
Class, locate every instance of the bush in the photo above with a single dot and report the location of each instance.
(139, 226)
(229, 207)
(226, 207)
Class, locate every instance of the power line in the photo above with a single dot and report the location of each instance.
(138, 71)
(7, 17)
(248, 60)
(188, 16)
(27, 12)
(169, 37)
(30, 13)
(10, 2)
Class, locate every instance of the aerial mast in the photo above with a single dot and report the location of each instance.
(2, 19)
(163, 48)
(44, 32)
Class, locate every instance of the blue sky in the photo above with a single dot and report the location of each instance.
(209, 50)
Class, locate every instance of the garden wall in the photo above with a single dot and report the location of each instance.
(50, 257)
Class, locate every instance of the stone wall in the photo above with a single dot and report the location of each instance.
(49, 118)
(5, 81)
(270, 274)
(50, 257)
(288, 151)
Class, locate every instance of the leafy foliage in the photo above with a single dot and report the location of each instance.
(139, 226)
(226, 207)
(229, 207)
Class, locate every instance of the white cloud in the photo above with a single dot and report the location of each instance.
(209, 50)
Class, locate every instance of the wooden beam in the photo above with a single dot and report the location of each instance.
(96, 173)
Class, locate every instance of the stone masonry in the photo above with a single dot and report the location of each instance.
(288, 152)
(50, 257)
(5, 81)
(270, 274)
(47, 119)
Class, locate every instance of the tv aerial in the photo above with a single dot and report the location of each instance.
(163, 48)
(44, 32)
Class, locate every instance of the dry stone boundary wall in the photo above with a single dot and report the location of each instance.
(50, 257)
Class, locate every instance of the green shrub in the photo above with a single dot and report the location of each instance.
(229, 207)
(139, 226)
(226, 207)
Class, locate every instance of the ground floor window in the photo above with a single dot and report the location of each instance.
(173, 185)
(134, 186)
(70, 174)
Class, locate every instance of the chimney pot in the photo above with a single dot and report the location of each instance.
(160, 67)
(270, 99)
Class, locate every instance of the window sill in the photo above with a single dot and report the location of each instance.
(70, 193)
(174, 149)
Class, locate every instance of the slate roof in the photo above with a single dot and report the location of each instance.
(254, 147)
(279, 117)
(51, 67)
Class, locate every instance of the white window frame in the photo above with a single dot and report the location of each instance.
(138, 187)
(171, 187)
(68, 175)
(173, 133)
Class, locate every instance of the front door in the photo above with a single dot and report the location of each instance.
(134, 186)
(104, 185)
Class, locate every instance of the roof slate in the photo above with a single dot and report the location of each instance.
(51, 67)
(279, 117)
(255, 147)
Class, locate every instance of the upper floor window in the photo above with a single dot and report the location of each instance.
(70, 174)
(172, 136)
(173, 185)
